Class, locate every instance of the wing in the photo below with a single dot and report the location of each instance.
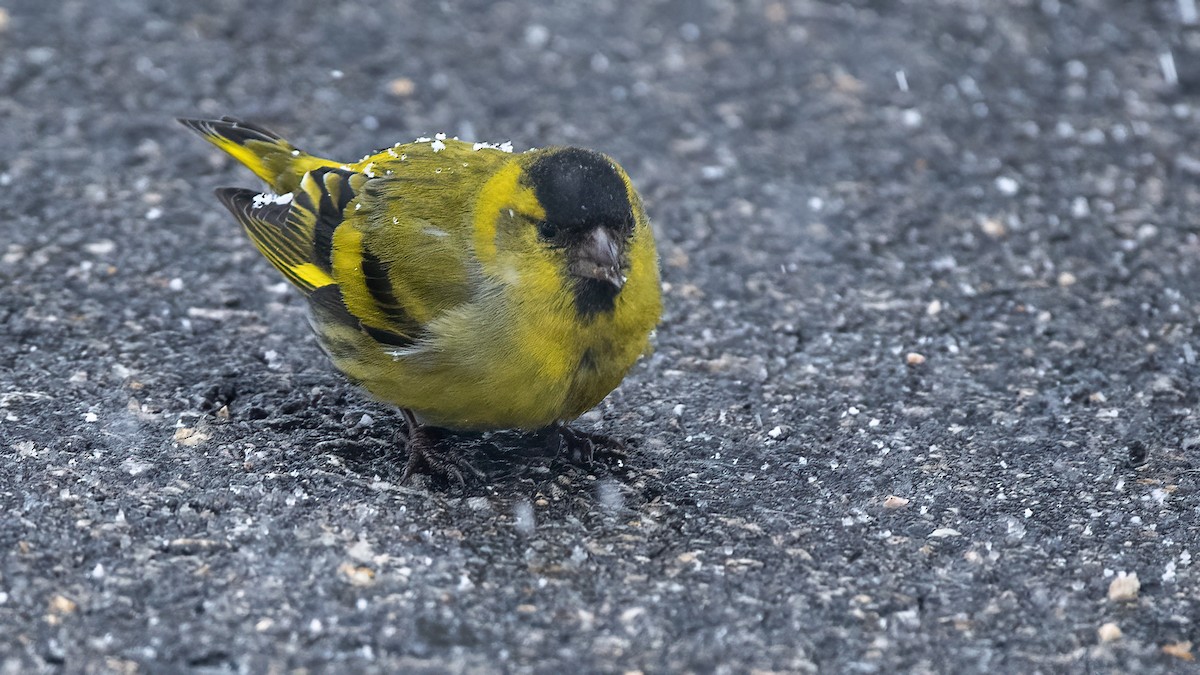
(392, 235)
(306, 236)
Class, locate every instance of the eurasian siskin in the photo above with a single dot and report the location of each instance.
(473, 287)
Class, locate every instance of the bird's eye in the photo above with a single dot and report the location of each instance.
(546, 230)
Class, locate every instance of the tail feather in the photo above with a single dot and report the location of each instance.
(263, 151)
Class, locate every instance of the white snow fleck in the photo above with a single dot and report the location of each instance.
(610, 497)
(776, 432)
(506, 146)
(1166, 61)
(438, 145)
(102, 247)
(369, 171)
(267, 198)
(435, 232)
(943, 532)
(911, 118)
(395, 220)
(423, 139)
(357, 206)
(439, 137)
(336, 74)
(295, 153)
(537, 35)
(1187, 12)
(393, 153)
(901, 80)
(1007, 186)
(90, 417)
(1169, 572)
(523, 518)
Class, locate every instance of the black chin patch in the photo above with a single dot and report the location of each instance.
(580, 190)
(593, 296)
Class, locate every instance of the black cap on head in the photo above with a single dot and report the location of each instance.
(580, 190)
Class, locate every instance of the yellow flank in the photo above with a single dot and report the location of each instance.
(347, 268)
(431, 286)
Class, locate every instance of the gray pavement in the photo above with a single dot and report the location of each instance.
(924, 390)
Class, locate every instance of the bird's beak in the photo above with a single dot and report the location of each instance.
(598, 257)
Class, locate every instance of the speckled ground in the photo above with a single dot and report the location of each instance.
(925, 387)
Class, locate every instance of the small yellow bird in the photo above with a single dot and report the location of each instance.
(473, 287)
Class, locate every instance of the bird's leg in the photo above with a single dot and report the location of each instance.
(582, 447)
(426, 455)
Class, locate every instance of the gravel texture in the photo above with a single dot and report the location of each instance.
(924, 397)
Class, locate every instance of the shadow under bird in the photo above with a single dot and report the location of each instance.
(473, 287)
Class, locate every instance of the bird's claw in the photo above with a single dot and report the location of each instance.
(425, 455)
(583, 447)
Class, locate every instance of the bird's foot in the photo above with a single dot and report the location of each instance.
(428, 456)
(583, 447)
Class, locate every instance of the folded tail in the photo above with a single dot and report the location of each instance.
(263, 151)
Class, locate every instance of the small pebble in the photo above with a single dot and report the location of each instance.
(1124, 588)
(402, 87)
(1180, 650)
(993, 228)
(1109, 632)
(914, 359)
(61, 604)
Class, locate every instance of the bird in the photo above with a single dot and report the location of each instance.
(473, 287)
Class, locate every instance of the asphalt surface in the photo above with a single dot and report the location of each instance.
(924, 389)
